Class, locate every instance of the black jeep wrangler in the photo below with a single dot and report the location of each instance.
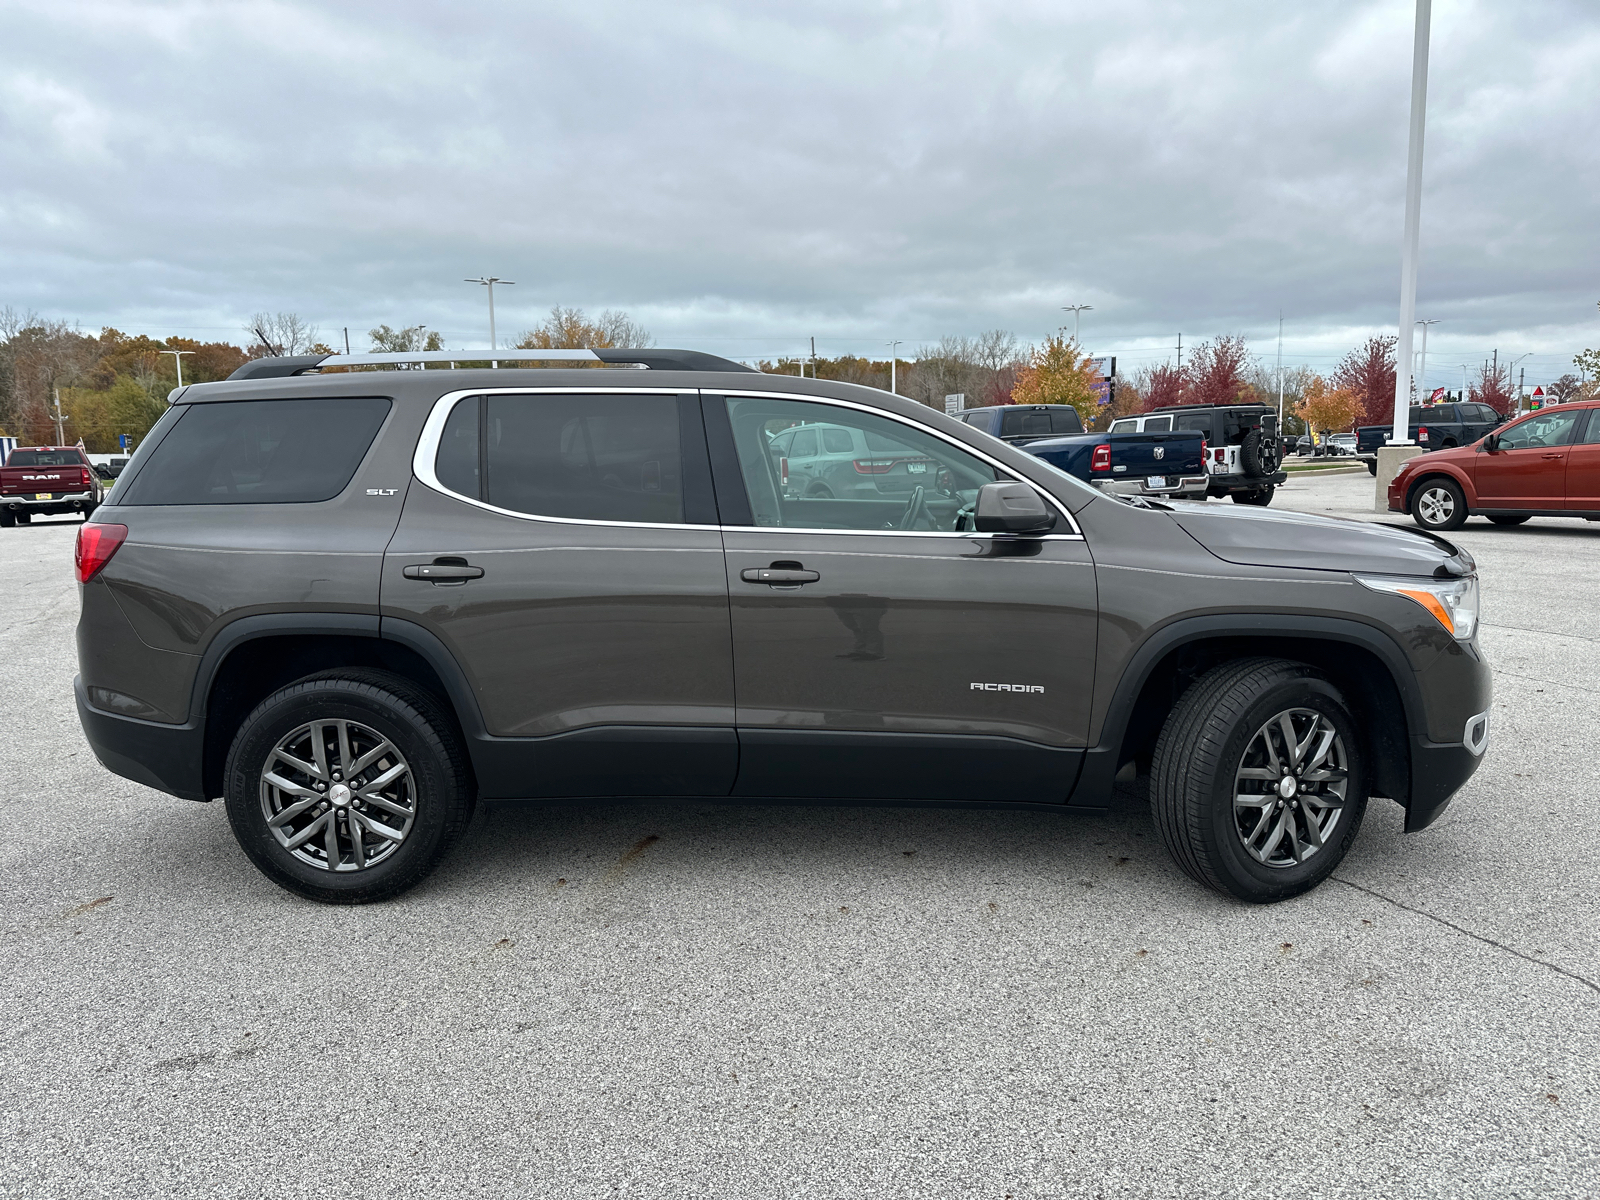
(1242, 447)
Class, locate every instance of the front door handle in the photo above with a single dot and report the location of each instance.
(779, 576)
(1559, 455)
(443, 572)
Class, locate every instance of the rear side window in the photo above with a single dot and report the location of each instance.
(44, 458)
(1197, 423)
(1158, 424)
(260, 452)
(584, 457)
(1128, 426)
(836, 441)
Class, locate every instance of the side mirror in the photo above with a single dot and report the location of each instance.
(1491, 442)
(1011, 508)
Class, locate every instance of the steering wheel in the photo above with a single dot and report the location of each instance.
(916, 509)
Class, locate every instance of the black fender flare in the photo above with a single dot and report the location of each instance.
(1100, 762)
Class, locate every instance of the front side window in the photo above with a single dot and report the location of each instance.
(804, 444)
(583, 457)
(905, 479)
(259, 452)
(1131, 425)
(1543, 430)
(1158, 424)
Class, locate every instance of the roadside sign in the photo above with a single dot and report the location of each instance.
(1538, 398)
(1106, 368)
(955, 403)
(123, 440)
(1438, 395)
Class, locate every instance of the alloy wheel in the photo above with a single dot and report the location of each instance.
(1436, 505)
(338, 795)
(1289, 791)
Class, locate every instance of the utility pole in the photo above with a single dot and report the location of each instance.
(1422, 374)
(1413, 225)
(1077, 310)
(813, 358)
(347, 339)
(1180, 352)
(177, 359)
(489, 281)
(61, 437)
(893, 362)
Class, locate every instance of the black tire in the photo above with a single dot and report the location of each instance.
(7, 521)
(23, 518)
(1438, 504)
(821, 492)
(417, 725)
(1251, 457)
(1372, 468)
(1193, 777)
(1511, 520)
(1261, 496)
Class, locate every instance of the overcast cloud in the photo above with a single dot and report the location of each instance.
(739, 177)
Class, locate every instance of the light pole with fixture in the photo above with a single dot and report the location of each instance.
(893, 361)
(177, 360)
(1077, 310)
(1422, 371)
(489, 281)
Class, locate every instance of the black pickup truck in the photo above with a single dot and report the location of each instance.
(1125, 462)
(1433, 427)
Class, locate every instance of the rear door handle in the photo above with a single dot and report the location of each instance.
(443, 572)
(778, 576)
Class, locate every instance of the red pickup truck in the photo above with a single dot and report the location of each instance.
(47, 479)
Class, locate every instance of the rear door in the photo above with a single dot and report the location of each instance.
(881, 648)
(561, 546)
(1583, 466)
(1528, 467)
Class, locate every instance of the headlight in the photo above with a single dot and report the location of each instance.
(1453, 602)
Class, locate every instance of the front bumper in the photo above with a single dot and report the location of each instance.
(168, 758)
(1438, 771)
(58, 502)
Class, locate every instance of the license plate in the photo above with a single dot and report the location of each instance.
(917, 468)
(1156, 481)
(41, 495)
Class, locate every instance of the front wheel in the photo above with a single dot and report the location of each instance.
(1258, 786)
(1510, 520)
(1372, 468)
(348, 787)
(1439, 505)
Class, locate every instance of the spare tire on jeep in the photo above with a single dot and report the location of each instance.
(1251, 455)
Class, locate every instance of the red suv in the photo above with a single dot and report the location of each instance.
(1546, 464)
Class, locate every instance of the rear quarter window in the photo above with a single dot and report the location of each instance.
(259, 452)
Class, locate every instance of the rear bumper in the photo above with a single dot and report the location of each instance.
(1221, 485)
(59, 502)
(165, 757)
(1175, 485)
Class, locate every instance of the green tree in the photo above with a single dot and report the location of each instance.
(404, 341)
(571, 329)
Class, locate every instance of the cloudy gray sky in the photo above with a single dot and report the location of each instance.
(742, 176)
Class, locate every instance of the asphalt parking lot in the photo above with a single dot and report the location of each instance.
(731, 1001)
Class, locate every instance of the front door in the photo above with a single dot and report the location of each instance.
(881, 648)
(562, 547)
(1528, 466)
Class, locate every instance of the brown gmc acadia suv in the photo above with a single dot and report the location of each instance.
(353, 603)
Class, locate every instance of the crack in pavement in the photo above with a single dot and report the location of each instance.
(1477, 937)
(1545, 632)
(1547, 682)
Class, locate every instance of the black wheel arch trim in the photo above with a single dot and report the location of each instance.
(1101, 762)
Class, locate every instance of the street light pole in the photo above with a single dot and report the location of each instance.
(61, 437)
(893, 362)
(1413, 226)
(489, 281)
(1076, 310)
(1422, 372)
(1280, 374)
(177, 359)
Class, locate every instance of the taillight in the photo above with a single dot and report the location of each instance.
(1220, 454)
(869, 466)
(783, 471)
(1102, 458)
(1422, 435)
(96, 545)
(83, 477)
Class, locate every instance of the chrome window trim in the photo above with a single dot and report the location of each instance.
(422, 464)
(1076, 534)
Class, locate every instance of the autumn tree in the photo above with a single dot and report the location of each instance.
(1326, 410)
(1060, 373)
(1493, 387)
(1217, 372)
(1159, 386)
(1368, 372)
(571, 329)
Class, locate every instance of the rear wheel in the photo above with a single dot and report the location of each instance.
(6, 519)
(24, 518)
(1438, 504)
(348, 787)
(1262, 496)
(1258, 786)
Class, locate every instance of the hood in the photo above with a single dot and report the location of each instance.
(1265, 537)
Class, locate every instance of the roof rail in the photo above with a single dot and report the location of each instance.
(654, 360)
